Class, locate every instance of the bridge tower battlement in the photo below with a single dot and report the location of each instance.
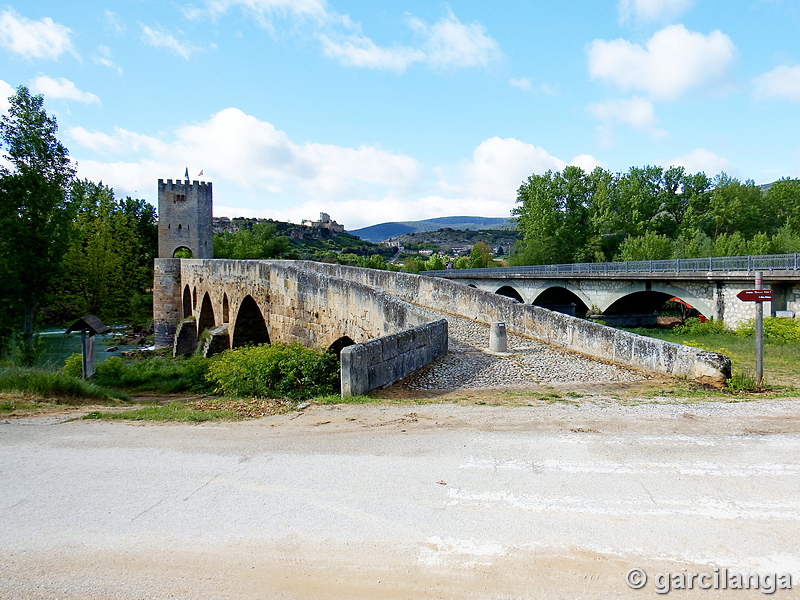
(185, 218)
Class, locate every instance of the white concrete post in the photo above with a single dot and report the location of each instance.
(498, 339)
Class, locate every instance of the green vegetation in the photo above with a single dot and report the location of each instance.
(54, 385)
(275, 370)
(781, 350)
(265, 239)
(651, 213)
(68, 248)
(154, 374)
(173, 411)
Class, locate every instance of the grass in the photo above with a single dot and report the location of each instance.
(781, 359)
(173, 411)
(55, 386)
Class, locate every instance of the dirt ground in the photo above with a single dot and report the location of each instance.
(539, 497)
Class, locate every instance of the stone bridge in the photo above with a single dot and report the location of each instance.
(374, 319)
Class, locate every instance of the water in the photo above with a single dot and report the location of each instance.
(56, 346)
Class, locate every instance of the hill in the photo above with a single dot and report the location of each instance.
(384, 231)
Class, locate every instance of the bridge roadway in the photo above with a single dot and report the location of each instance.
(710, 285)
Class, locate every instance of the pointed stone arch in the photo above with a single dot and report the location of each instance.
(250, 327)
(206, 319)
(226, 311)
(187, 302)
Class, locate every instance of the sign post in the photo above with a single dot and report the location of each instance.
(759, 296)
(759, 334)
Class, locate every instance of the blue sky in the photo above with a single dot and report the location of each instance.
(406, 110)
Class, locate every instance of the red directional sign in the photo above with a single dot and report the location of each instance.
(755, 295)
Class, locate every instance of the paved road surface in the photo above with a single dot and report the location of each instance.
(433, 501)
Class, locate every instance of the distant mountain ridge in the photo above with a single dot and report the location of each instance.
(384, 231)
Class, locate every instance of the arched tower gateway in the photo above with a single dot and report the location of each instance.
(184, 221)
(184, 218)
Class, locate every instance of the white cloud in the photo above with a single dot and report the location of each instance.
(262, 9)
(636, 112)
(161, 38)
(104, 59)
(782, 82)
(652, 11)
(497, 169)
(360, 51)
(34, 39)
(702, 160)
(6, 91)
(446, 43)
(451, 43)
(259, 170)
(62, 88)
(113, 22)
(673, 61)
(526, 85)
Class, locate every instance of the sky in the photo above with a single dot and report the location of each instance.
(405, 110)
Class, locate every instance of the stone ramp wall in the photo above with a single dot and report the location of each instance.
(384, 361)
(572, 333)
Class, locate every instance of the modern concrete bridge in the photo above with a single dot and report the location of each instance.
(709, 285)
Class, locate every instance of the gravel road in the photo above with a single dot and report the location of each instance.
(401, 501)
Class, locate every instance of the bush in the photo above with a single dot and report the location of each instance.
(775, 329)
(156, 374)
(73, 365)
(695, 327)
(275, 370)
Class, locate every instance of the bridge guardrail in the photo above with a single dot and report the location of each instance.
(739, 264)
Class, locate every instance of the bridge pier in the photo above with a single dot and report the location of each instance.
(167, 300)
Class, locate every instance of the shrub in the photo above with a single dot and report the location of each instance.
(775, 329)
(275, 370)
(73, 365)
(695, 327)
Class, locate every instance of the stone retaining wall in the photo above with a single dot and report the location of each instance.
(592, 339)
(386, 360)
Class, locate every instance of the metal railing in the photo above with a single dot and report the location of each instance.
(735, 264)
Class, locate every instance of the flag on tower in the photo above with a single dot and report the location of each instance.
(187, 174)
(200, 174)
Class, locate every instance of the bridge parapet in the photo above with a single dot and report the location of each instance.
(592, 339)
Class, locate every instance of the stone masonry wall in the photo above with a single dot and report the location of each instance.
(562, 330)
(312, 307)
(384, 361)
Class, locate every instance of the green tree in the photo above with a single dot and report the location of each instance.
(35, 213)
(783, 197)
(434, 262)
(650, 246)
(108, 263)
(481, 256)
(741, 208)
(257, 242)
(554, 217)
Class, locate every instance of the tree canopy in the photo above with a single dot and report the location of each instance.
(650, 213)
(35, 212)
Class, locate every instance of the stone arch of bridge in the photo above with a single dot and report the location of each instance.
(340, 344)
(187, 302)
(206, 320)
(250, 326)
(659, 291)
